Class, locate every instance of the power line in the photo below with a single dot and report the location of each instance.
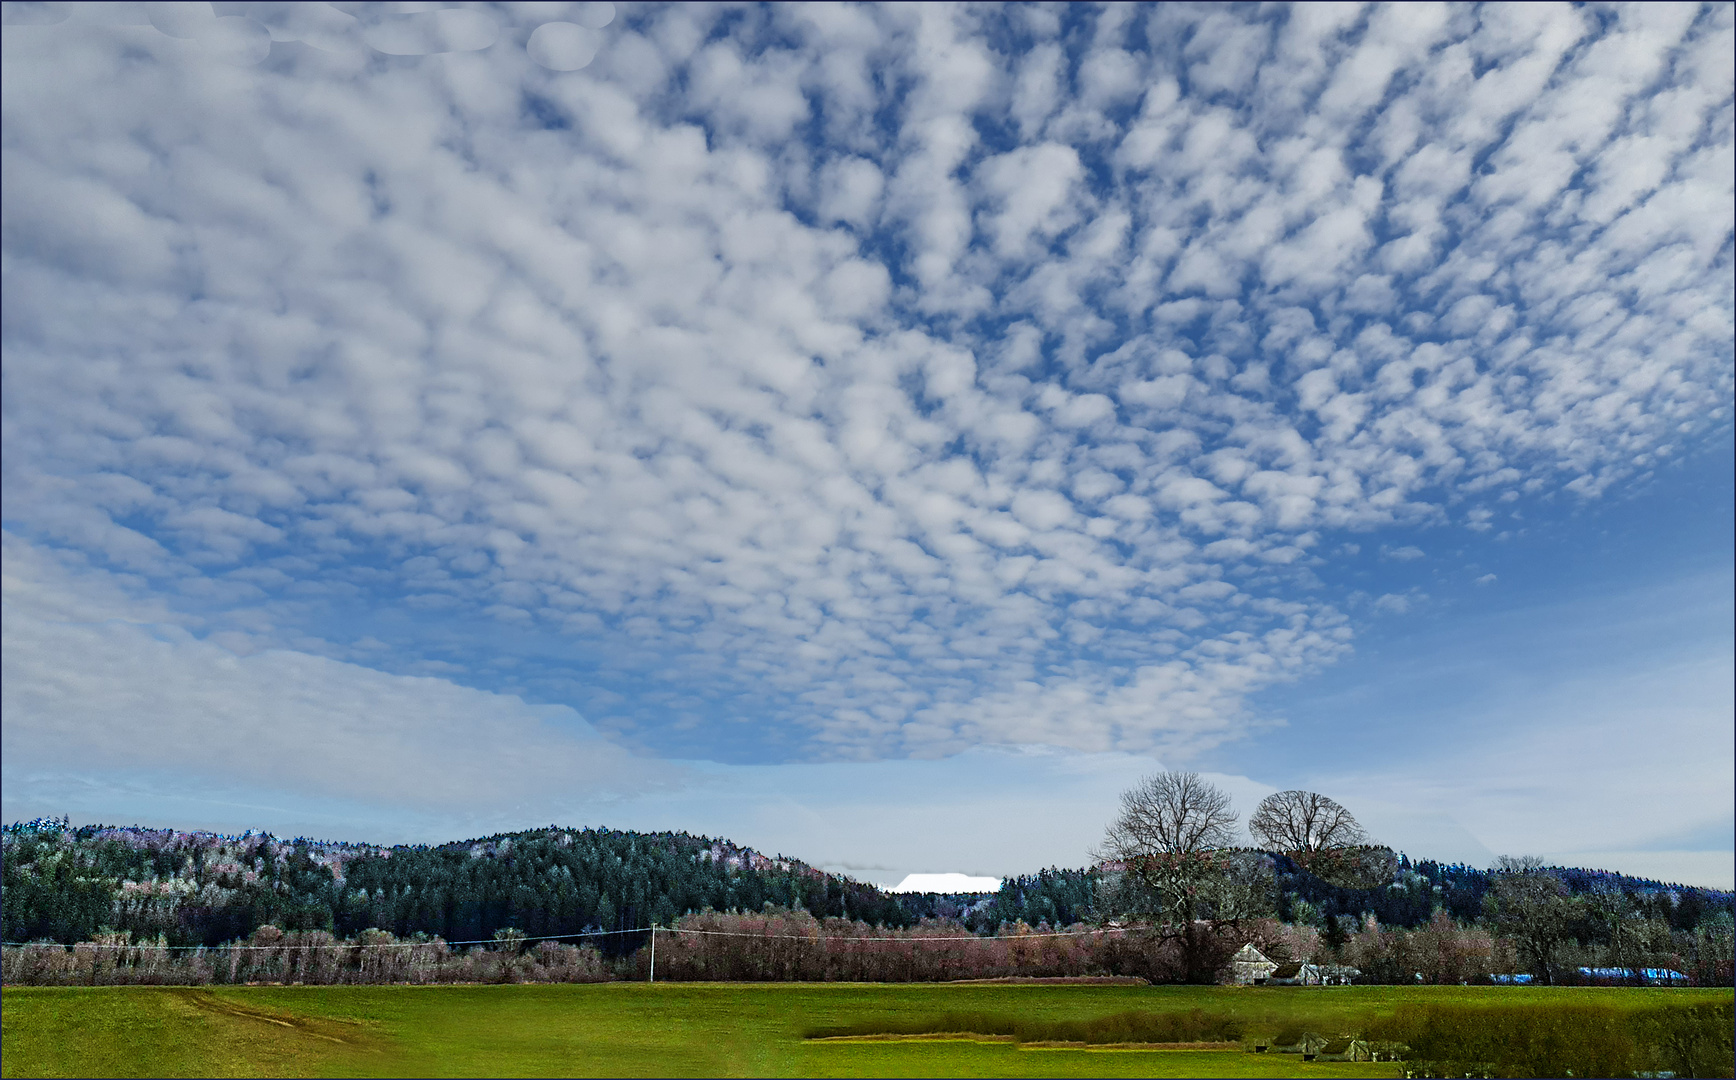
(961, 937)
(322, 943)
(812, 938)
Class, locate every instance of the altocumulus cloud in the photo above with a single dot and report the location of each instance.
(815, 382)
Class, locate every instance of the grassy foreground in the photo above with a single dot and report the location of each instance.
(672, 1029)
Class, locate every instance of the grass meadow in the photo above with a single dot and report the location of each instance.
(688, 1029)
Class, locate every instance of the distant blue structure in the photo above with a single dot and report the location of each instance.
(1512, 980)
(1652, 976)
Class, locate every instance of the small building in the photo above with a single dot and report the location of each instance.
(1513, 980)
(1312, 975)
(1251, 967)
(1346, 1049)
(1307, 1043)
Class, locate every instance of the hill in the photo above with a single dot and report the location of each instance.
(196, 888)
(200, 888)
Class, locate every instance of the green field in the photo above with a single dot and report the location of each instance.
(674, 1029)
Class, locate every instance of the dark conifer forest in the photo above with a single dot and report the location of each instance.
(65, 884)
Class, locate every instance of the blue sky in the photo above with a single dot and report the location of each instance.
(874, 433)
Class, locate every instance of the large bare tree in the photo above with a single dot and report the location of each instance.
(1169, 819)
(1304, 821)
(1169, 838)
(1323, 838)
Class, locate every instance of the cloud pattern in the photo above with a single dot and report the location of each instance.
(844, 381)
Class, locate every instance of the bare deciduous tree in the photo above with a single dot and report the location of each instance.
(1304, 821)
(1323, 838)
(1168, 821)
(1168, 836)
(1530, 905)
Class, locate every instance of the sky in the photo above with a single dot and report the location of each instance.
(876, 434)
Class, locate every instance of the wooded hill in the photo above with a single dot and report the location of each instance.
(65, 884)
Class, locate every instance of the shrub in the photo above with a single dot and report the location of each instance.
(312, 957)
(1565, 1039)
(1692, 1040)
(1123, 1027)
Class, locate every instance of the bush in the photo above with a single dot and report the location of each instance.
(777, 945)
(313, 957)
(1124, 1027)
(1566, 1039)
(1692, 1040)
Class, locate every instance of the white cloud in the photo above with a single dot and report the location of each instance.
(113, 709)
(589, 353)
(850, 191)
(563, 46)
(1392, 604)
(1037, 90)
(99, 681)
(442, 30)
(1033, 191)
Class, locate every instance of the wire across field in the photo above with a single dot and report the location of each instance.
(680, 1029)
(594, 935)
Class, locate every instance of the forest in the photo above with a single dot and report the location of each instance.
(191, 888)
(165, 889)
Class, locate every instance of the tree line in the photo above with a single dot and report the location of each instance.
(1172, 866)
(775, 944)
(1317, 889)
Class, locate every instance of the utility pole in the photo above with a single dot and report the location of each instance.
(653, 953)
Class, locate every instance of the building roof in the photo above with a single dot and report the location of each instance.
(1247, 954)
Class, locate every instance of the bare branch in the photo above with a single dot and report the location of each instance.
(1171, 813)
(1304, 821)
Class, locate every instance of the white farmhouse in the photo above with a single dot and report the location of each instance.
(1250, 966)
